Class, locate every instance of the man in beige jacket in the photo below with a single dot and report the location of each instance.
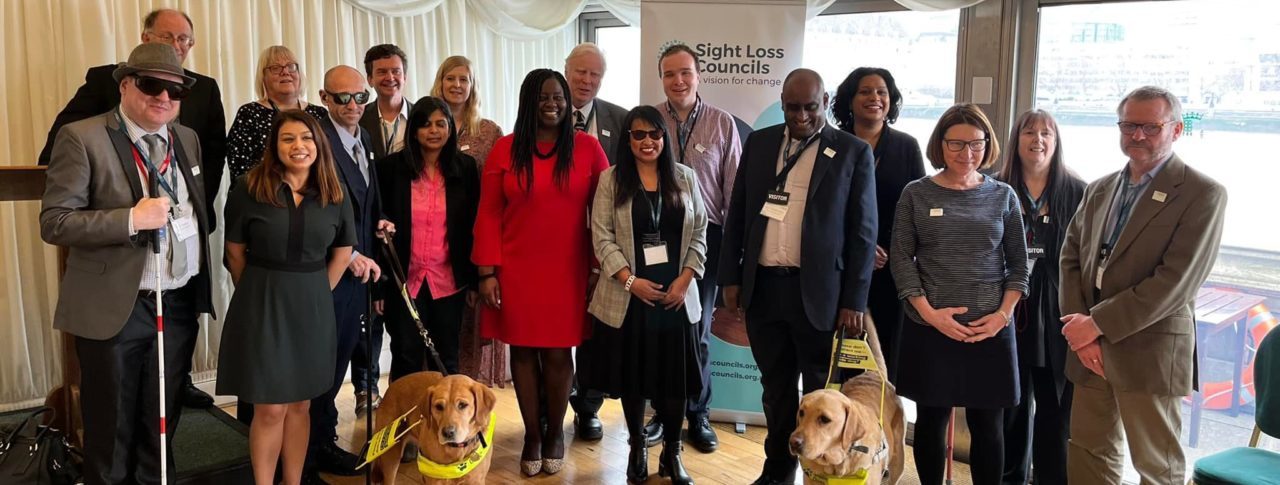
(1142, 242)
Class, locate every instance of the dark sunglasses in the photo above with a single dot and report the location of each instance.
(638, 135)
(361, 97)
(151, 86)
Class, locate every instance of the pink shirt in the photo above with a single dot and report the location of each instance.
(429, 249)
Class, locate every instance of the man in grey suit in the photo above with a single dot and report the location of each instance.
(113, 180)
(584, 68)
(1142, 242)
(799, 243)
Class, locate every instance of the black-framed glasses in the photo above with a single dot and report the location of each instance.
(361, 97)
(1149, 129)
(638, 135)
(958, 145)
(151, 86)
(291, 68)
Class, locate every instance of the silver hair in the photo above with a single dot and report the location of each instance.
(1147, 93)
(584, 49)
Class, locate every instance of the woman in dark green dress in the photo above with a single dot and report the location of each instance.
(288, 240)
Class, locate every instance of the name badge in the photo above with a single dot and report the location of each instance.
(655, 254)
(700, 148)
(1159, 196)
(1097, 283)
(1035, 251)
(464, 148)
(775, 205)
(936, 212)
(604, 133)
(195, 170)
(184, 227)
(829, 152)
(1045, 220)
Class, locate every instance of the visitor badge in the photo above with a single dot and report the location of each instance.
(775, 205)
(195, 170)
(829, 152)
(1159, 196)
(604, 133)
(700, 148)
(1035, 251)
(655, 254)
(184, 227)
(935, 212)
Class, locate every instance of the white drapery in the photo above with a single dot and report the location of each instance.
(936, 5)
(48, 45)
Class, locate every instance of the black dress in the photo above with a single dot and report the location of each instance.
(280, 341)
(654, 355)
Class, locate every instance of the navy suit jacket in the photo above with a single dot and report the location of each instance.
(838, 232)
(366, 201)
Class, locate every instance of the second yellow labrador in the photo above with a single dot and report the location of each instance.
(838, 434)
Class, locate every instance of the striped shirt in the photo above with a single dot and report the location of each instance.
(712, 150)
(958, 248)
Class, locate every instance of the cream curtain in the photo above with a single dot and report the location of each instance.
(48, 45)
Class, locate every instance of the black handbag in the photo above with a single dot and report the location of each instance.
(32, 453)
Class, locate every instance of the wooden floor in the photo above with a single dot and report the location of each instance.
(738, 460)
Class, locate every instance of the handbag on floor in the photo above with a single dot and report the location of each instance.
(32, 453)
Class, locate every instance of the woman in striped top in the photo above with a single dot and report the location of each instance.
(959, 259)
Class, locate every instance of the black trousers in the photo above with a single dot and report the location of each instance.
(362, 363)
(887, 312)
(707, 293)
(443, 320)
(119, 391)
(786, 347)
(986, 443)
(1037, 437)
(350, 303)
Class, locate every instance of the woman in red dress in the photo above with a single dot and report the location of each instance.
(533, 250)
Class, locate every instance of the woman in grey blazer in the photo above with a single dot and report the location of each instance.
(648, 227)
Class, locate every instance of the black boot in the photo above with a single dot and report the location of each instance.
(638, 461)
(670, 464)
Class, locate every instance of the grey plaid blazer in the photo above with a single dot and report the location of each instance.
(612, 236)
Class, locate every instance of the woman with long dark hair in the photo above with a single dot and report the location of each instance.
(533, 249)
(648, 226)
(430, 191)
(866, 103)
(289, 236)
(1049, 193)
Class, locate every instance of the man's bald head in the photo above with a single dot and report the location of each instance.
(804, 103)
(349, 84)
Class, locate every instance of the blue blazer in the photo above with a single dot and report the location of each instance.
(838, 235)
(366, 201)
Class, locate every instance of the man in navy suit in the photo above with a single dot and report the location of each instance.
(345, 94)
(799, 243)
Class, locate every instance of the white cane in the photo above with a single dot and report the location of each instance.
(164, 452)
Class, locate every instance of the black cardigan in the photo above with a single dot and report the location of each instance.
(462, 198)
(898, 162)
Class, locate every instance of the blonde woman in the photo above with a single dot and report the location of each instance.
(456, 84)
(280, 86)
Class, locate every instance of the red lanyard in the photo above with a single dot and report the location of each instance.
(142, 167)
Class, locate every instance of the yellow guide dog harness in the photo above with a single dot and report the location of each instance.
(460, 468)
(854, 354)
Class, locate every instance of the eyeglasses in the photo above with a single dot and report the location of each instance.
(361, 97)
(1149, 129)
(151, 86)
(958, 145)
(184, 39)
(278, 69)
(638, 135)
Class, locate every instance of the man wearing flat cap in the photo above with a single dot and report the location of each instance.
(113, 181)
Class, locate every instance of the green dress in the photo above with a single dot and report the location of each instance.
(279, 344)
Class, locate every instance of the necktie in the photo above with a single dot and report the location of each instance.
(579, 122)
(176, 250)
(357, 152)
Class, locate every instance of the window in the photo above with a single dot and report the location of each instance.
(1223, 60)
(621, 46)
(919, 48)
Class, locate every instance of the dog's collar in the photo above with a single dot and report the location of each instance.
(859, 477)
(461, 468)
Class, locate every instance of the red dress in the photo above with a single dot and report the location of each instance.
(540, 242)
